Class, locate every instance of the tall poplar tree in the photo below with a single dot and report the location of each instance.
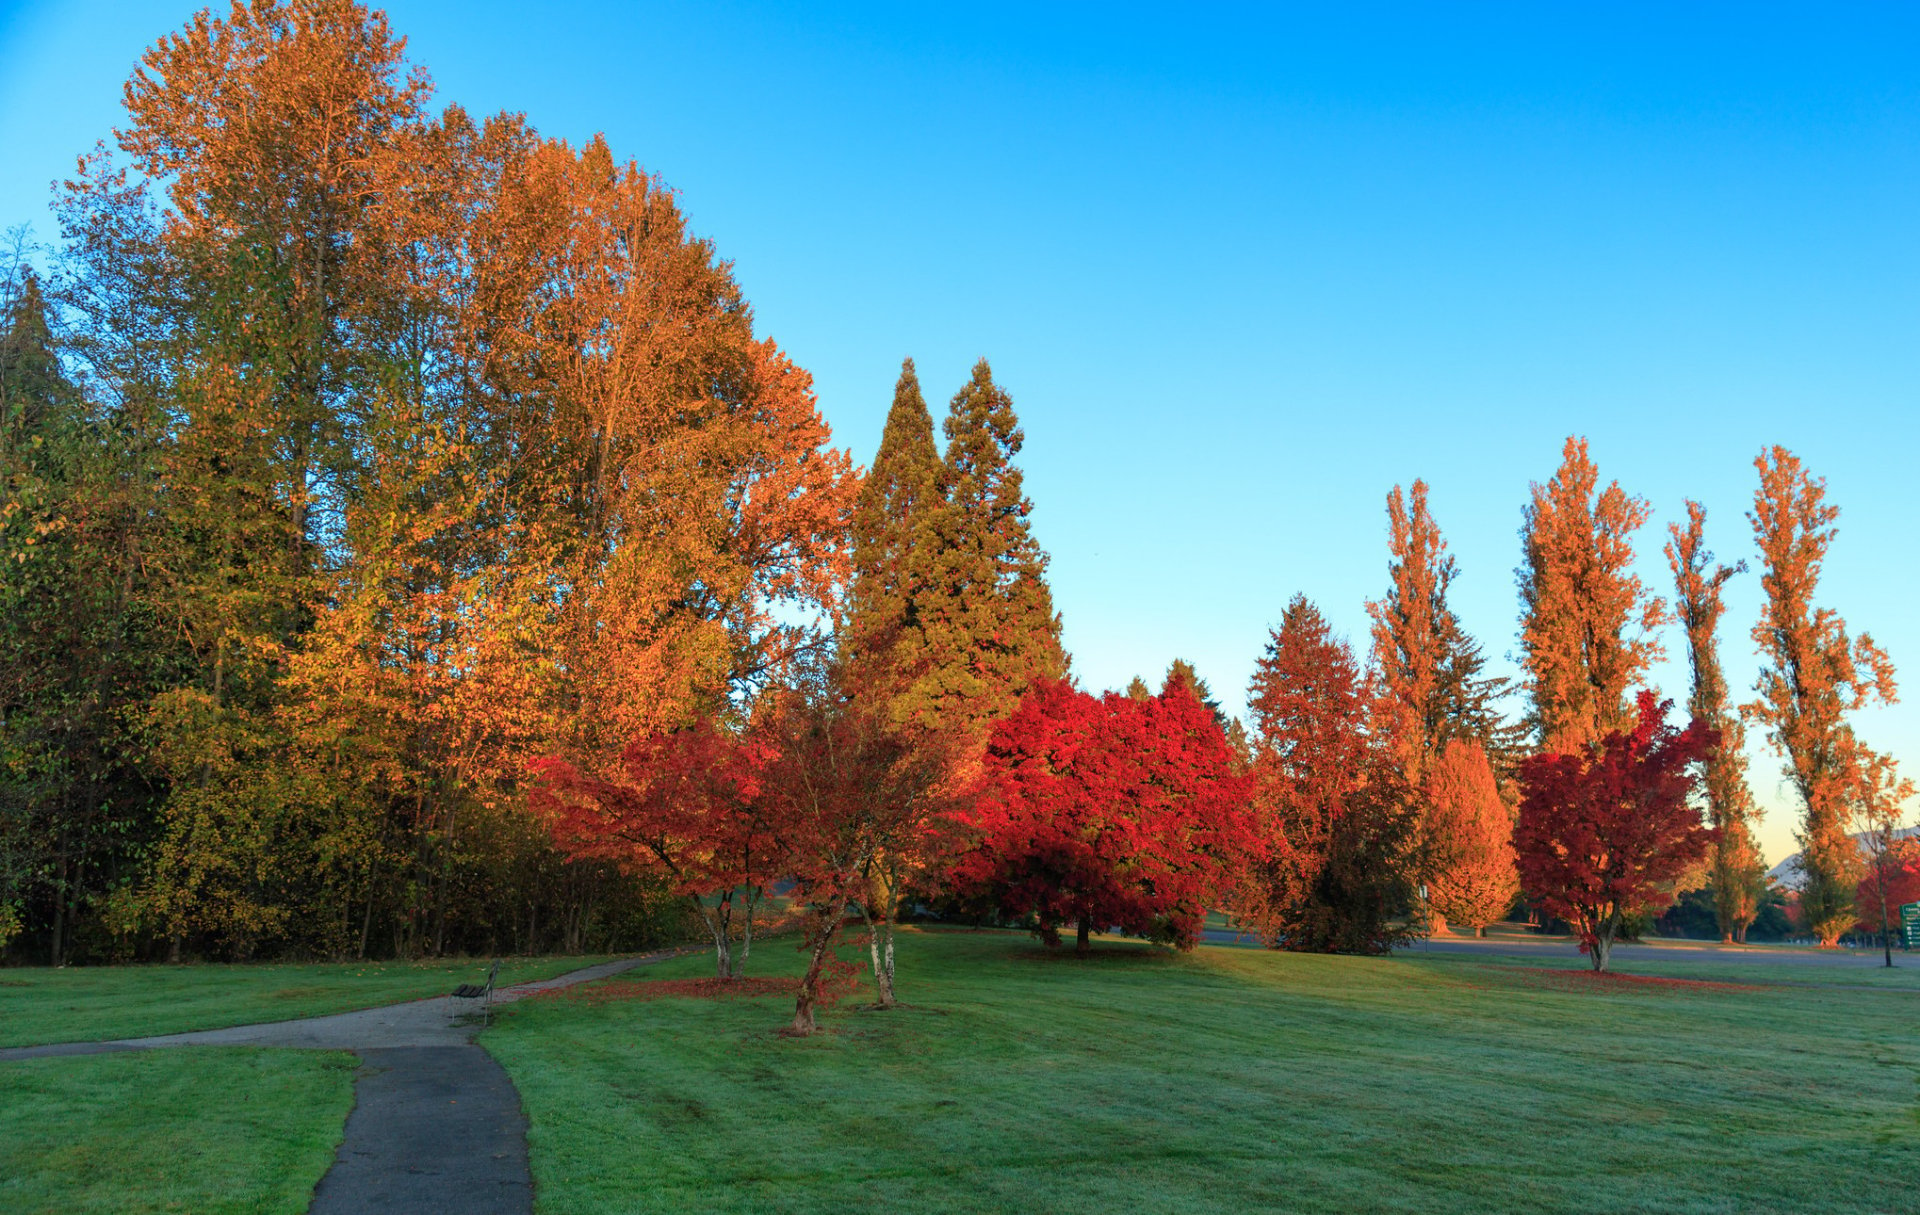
(1587, 620)
(985, 627)
(1738, 874)
(1431, 689)
(1815, 676)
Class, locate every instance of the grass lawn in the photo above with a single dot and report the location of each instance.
(1227, 1080)
(100, 1003)
(196, 1130)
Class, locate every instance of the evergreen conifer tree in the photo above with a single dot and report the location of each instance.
(984, 627)
(899, 492)
(1181, 671)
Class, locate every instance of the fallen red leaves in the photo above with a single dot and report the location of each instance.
(1589, 980)
(682, 989)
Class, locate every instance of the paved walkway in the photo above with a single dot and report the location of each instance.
(436, 1122)
(1514, 946)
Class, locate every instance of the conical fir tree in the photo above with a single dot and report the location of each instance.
(1181, 671)
(1738, 875)
(899, 492)
(984, 627)
(1586, 628)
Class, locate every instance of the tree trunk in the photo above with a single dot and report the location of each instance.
(1480, 930)
(803, 1004)
(746, 929)
(717, 929)
(1602, 949)
(1436, 924)
(1084, 942)
(881, 945)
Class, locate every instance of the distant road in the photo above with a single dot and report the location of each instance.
(1512, 946)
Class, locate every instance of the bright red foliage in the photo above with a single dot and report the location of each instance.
(1902, 868)
(1608, 832)
(1107, 811)
(689, 809)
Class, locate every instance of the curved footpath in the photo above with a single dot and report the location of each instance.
(436, 1123)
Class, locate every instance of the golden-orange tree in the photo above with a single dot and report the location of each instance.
(449, 447)
(1431, 690)
(1469, 837)
(1738, 873)
(1605, 830)
(1586, 630)
(1815, 676)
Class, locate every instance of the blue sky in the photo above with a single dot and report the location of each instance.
(1244, 270)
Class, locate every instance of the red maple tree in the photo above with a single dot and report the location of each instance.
(1900, 868)
(1606, 831)
(689, 809)
(1106, 812)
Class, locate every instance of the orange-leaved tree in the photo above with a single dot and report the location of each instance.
(1815, 677)
(1469, 838)
(1586, 630)
(1737, 872)
(1605, 830)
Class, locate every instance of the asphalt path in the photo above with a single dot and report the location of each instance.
(436, 1123)
(1516, 946)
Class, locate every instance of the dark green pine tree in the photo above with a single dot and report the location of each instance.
(900, 489)
(984, 626)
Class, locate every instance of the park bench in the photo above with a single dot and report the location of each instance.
(477, 991)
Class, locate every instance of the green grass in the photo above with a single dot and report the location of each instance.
(1227, 1080)
(100, 1003)
(203, 1131)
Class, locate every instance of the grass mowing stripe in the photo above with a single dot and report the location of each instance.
(227, 1131)
(1230, 1079)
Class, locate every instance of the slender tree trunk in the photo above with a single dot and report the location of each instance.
(803, 1004)
(59, 911)
(746, 929)
(1886, 925)
(1084, 943)
(880, 947)
(717, 929)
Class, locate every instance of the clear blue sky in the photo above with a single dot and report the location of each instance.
(1245, 270)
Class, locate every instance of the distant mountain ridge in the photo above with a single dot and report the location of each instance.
(1788, 873)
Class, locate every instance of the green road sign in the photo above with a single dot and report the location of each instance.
(1910, 925)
